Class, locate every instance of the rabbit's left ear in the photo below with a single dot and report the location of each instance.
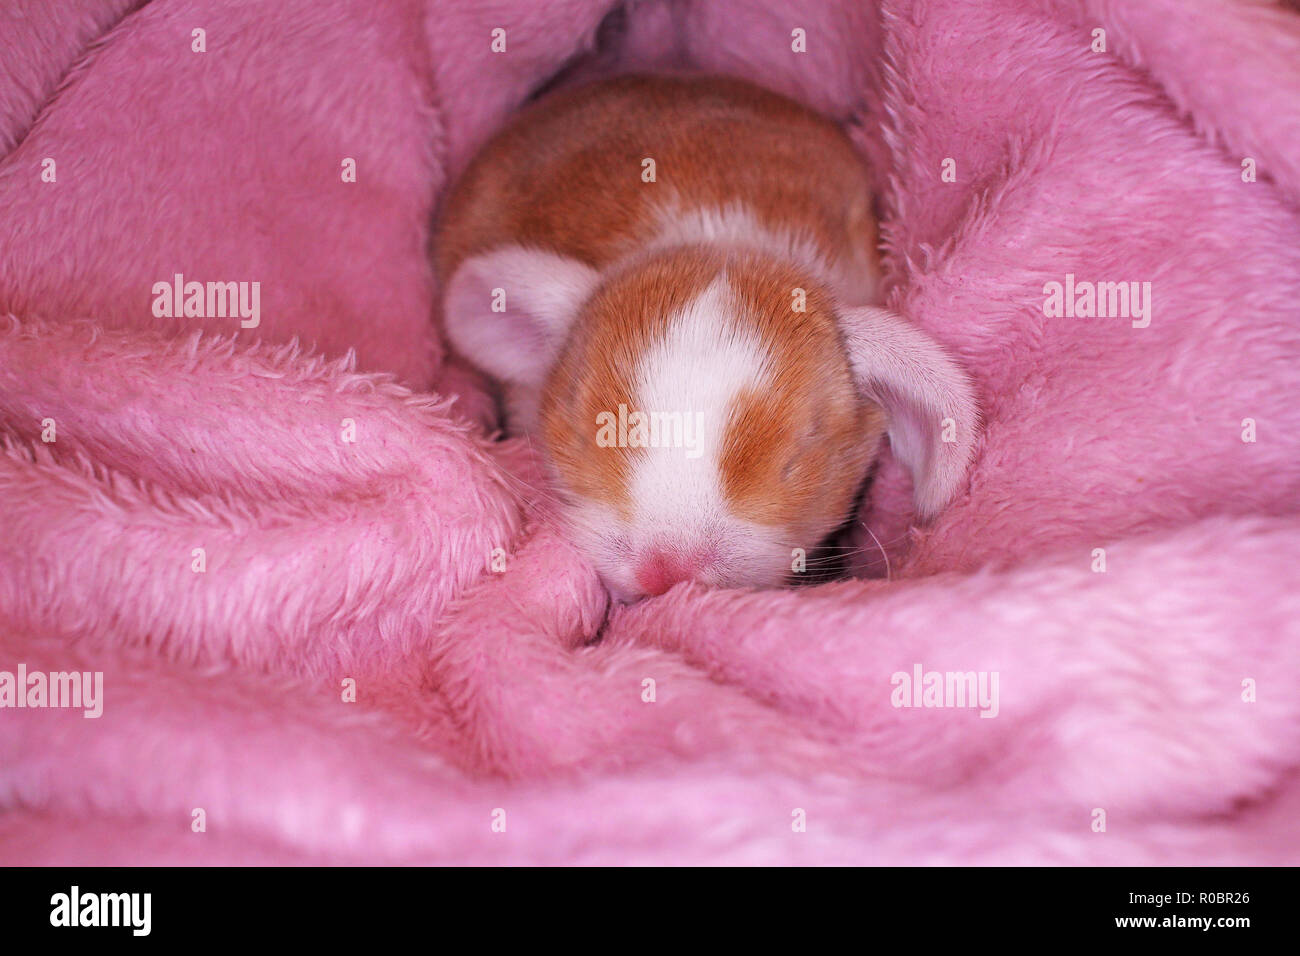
(929, 399)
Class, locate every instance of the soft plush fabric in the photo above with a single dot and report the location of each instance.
(1122, 559)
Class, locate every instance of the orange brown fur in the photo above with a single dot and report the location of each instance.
(811, 416)
(565, 177)
(592, 375)
(811, 405)
(565, 174)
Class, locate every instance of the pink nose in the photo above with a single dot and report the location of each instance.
(659, 570)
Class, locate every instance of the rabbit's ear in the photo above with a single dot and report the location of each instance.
(929, 399)
(508, 311)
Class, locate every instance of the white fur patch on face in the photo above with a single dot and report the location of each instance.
(695, 371)
(684, 389)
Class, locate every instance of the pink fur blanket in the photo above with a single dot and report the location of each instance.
(333, 621)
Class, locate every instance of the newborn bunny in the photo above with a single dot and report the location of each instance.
(672, 278)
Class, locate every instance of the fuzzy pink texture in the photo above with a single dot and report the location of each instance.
(521, 691)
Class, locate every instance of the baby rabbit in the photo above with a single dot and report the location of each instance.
(673, 280)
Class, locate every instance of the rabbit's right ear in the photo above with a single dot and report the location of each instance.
(509, 310)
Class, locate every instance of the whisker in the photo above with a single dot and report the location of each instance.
(883, 552)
